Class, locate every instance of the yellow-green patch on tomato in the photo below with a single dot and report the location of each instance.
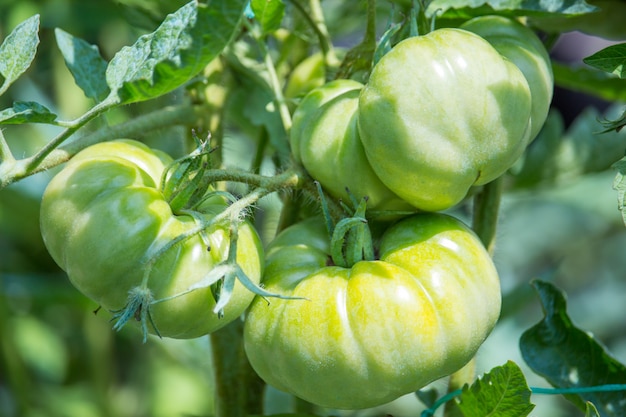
(366, 335)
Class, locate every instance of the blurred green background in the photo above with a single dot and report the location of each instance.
(59, 358)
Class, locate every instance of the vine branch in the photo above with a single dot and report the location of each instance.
(167, 117)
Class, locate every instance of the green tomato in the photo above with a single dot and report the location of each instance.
(366, 335)
(103, 216)
(307, 75)
(325, 140)
(441, 113)
(522, 47)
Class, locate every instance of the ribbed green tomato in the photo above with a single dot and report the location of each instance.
(325, 139)
(441, 113)
(522, 47)
(365, 335)
(103, 216)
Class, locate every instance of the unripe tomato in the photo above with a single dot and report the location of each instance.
(522, 46)
(366, 335)
(325, 139)
(441, 113)
(103, 217)
(307, 75)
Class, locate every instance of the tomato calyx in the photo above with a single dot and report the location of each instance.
(184, 182)
(351, 238)
(138, 307)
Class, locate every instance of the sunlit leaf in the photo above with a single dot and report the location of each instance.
(85, 63)
(18, 51)
(178, 50)
(26, 112)
(269, 13)
(611, 59)
(467, 8)
(568, 357)
(501, 392)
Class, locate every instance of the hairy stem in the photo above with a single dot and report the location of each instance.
(5, 152)
(96, 111)
(167, 117)
(315, 18)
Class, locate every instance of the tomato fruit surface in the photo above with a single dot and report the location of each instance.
(325, 139)
(522, 47)
(367, 334)
(441, 113)
(103, 216)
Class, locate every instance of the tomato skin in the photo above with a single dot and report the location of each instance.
(441, 113)
(366, 335)
(103, 216)
(521, 45)
(325, 140)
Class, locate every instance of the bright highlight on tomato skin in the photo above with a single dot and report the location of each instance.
(450, 110)
(367, 334)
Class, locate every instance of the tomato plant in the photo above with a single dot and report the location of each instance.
(379, 188)
(103, 219)
(366, 334)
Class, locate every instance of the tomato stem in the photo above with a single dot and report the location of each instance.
(238, 390)
(167, 117)
(486, 208)
(315, 18)
(5, 152)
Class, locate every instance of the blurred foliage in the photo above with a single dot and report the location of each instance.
(58, 358)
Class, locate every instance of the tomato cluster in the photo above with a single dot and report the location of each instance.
(440, 113)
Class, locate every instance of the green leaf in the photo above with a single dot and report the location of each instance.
(469, 8)
(269, 13)
(558, 156)
(85, 63)
(611, 59)
(179, 49)
(18, 51)
(503, 392)
(26, 112)
(569, 357)
(590, 81)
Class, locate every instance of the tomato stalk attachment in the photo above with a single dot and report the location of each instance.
(351, 239)
(138, 307)
(183, 182)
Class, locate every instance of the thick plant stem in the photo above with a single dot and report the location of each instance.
(457, 380)
(238, 390)
(484, 223)
(486, 207)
